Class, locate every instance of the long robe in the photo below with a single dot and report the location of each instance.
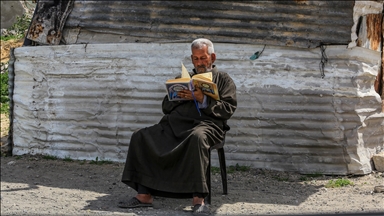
(171, 158)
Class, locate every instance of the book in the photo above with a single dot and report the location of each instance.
(186, 82)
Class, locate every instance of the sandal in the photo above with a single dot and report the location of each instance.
(199, 209)
(133, 203)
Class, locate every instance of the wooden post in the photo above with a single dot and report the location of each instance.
(371, 35)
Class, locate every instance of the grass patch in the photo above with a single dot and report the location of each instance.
(9, 37)
(49, 157)
(101, 162)
(338, 183)
(68, 159)
(4, 109)
(215, 170)
(18, 29)
(237, 167)
(4, 99)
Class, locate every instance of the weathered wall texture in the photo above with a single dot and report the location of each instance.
(84, 101)
(305, 24)
(360, 10)
(48, 21)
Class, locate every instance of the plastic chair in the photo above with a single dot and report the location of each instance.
(223, 170)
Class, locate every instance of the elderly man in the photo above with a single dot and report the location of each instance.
(170, 159)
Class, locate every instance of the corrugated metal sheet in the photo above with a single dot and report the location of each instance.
(287, 23)
(84, 101)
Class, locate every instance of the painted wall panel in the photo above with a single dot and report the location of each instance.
(84, 101)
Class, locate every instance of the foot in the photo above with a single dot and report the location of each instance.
(196, 200)
(133, 203)
(199, 209)
(145, 198)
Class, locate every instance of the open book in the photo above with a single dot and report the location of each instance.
(203, 81)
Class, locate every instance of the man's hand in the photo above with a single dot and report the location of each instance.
(188, 94)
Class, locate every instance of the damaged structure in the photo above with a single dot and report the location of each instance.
(92, 72)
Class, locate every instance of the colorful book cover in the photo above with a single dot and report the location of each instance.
(203, 81)
(173, 88)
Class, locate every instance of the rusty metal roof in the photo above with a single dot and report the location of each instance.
(289, 23)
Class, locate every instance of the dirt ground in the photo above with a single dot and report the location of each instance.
(42, 185)
(4, 125)
(38, 185)
(6, 46)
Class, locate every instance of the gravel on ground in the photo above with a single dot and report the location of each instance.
(43, 185)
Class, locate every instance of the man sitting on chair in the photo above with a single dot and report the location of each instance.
(170, 159)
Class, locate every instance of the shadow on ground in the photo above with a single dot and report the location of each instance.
(254, 186)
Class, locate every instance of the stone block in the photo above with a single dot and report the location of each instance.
(378, 161)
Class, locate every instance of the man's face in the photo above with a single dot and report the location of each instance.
(202, 60)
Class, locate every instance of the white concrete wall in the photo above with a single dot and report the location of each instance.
(84, 101)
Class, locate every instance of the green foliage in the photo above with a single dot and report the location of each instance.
(4, 109)
(10, 37)
(4, 99)
(232, 169)
(17, 30)
(338, 183)
(49, 157)
(215, 170)
(100, 162)
(4, 87)
(68, 159)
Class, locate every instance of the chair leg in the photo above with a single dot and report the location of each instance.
(223, 169)
(207, 199)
